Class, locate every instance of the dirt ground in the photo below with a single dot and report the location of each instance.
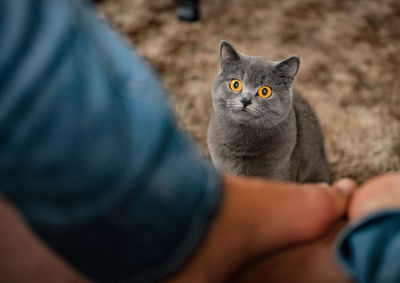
(349, 73)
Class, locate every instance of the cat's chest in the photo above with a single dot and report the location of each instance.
(252, 152)
(265, 160)
(249, 146)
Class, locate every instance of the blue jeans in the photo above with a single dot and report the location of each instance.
(90, 153)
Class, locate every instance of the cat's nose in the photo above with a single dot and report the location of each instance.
(245, 101)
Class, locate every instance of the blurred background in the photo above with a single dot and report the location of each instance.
(349, 73)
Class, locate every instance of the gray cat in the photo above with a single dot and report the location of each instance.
(258, 127)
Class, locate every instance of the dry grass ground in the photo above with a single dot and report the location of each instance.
(350, 71)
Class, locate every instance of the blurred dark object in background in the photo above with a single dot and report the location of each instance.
(188, 10)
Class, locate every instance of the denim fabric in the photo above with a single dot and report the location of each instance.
(369, 251)
(89, 151)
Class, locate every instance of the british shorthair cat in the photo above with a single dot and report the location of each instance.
(258, 126)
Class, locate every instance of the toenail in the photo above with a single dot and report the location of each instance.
(345, 185)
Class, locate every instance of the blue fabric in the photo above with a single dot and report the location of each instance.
(369, 251)
(90, 153)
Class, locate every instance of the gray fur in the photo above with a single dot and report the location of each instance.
(276, 137)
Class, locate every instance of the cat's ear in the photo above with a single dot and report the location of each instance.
(227, 53)
(288, 67)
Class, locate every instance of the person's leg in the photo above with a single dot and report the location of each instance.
(21, 250)
(248, 204)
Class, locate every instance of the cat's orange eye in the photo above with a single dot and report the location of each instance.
(264, 92)
(235, 85)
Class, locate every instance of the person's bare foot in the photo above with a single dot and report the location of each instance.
(260, 217)
(377, 194)
(310, 262)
